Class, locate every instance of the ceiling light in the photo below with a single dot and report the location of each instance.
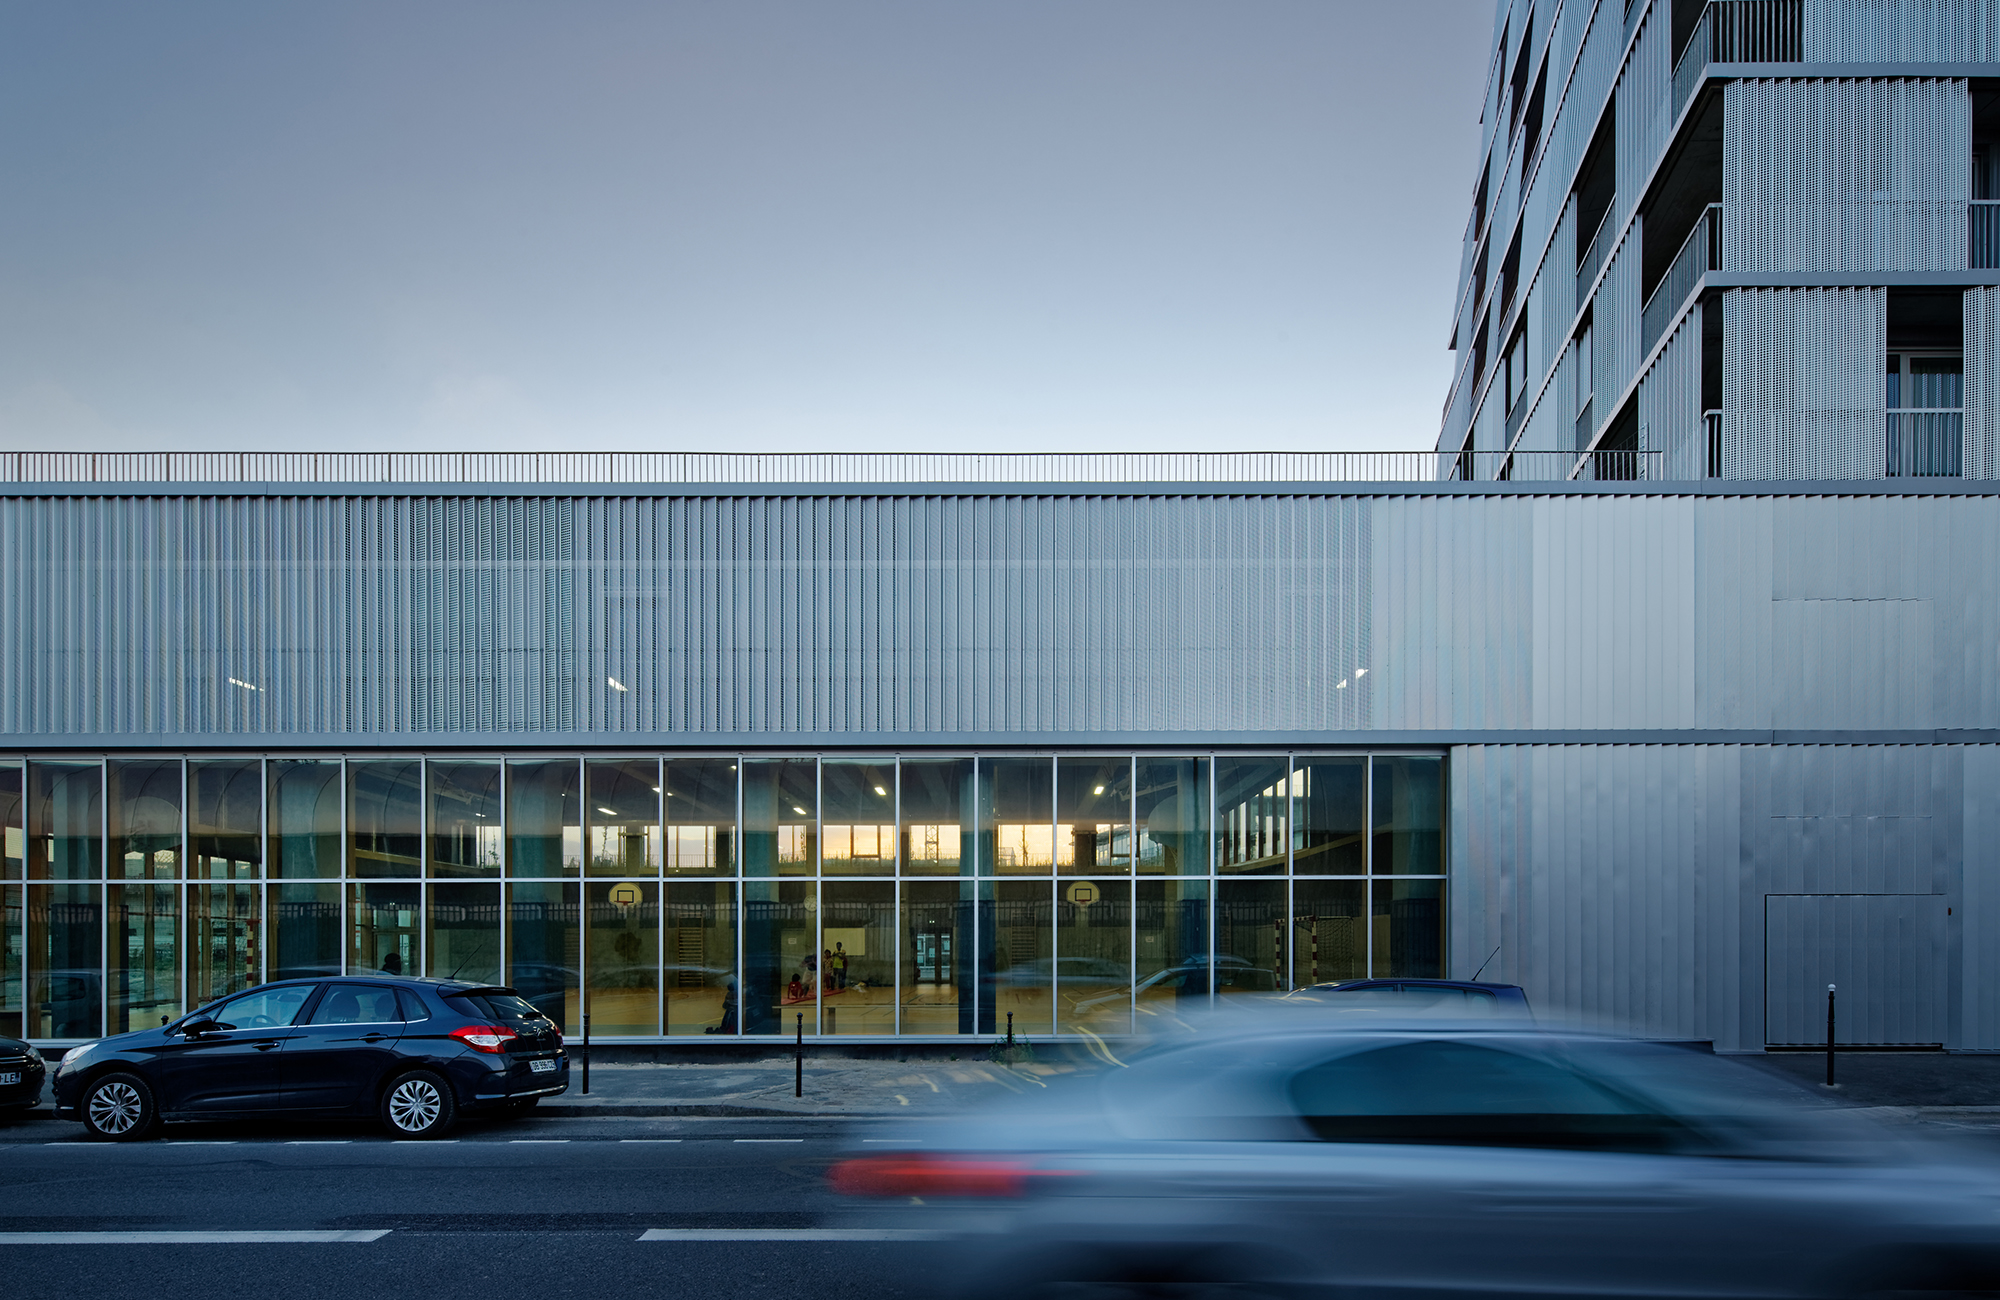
(884, 793)
(1360, 672)
(237, 681)
(1341, 685)
(616, 685)
(1098, 790)
(656, 789)
(800, 811)
(607, 812)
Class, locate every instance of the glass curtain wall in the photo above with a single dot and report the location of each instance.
(852, 896)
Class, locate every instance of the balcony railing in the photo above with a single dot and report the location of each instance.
(1739, 31)
(1926, 444)
(1585, 425)
(522, 472)
(1700, 254)
(1711, 424)
(1982, 228)
(1592, 259)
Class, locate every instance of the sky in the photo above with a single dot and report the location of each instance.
(732, 225)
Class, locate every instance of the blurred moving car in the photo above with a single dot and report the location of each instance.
(415, 1052)
(1447, 997)
(21, 1075)
(1432, 1159)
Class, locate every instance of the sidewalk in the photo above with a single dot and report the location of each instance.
(833, 1087)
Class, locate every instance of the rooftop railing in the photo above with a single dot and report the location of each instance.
(803, 468)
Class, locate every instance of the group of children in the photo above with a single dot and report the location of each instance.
(829, 967)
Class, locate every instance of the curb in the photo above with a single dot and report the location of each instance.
(668, 1110)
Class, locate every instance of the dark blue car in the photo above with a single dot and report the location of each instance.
(1456, 997)
(417, 1053)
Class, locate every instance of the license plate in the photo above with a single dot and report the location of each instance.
(14, 1077)
(535, 1067)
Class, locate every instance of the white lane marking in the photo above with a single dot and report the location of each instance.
(649, 1139)
(770, 1139)
(789, 1234)
(529, 1142)
(319, 1142)
(200, 1142)
(421, 1142)
(181, 1238)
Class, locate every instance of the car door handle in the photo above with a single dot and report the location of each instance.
(266, 1045)
(375, 1038)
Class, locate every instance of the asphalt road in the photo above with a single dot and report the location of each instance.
(597, 1208)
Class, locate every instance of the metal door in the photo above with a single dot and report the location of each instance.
(1886, 952)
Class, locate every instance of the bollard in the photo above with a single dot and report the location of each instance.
(799, 1060)
(1829, 1036)
(1010, 1029)
(830, 1013)
(586, 1053)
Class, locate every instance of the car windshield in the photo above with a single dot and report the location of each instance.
(499, 1006)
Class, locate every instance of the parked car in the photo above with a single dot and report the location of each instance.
(1296, 1157)
(417, 1053)
(1446, 997)
(21, 1075)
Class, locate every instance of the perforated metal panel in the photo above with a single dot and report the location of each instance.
(1642, 110)
(1902, 31)
(1981, 453)
(1670, 404)
(1826, 176)
(1615, 326)
(1802, 393)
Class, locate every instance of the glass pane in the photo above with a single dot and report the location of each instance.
(937, 955)
(382, 930)
(1328, 943)
(464, 925)
(542, 957)
(622, 958)
(465, 825)
(225, 820)
(780, 956)
(305, 822)
(1327, 816)
(936, 809)
(544, 820)
(1251, 805)
(385, 821)
(779, 797)
(1937, 383)
(65, 826)
(305, 930)
(1249, 934)
(1172, 807)
(1409, 928)
(65, 961)
(623, 813)
(701, 958)
(223, 940)
(1094, 956)
(145, 820)
(145, 956)
(13, 960)
(1017, 936)
(1409, 816)
(1094, 815)
(857, 943)
(1171, 964)
(701, 819)
(1017, 821)
(13, 840)
(858, 819)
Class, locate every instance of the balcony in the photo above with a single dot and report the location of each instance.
(1982, 228)
(1592, 259)
(1700, 254)
(1739, 31)
(1925, 444)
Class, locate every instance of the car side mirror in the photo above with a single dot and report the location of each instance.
(198, 1026)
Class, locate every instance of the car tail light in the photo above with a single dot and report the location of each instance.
(484, 1038)
(916, 1175)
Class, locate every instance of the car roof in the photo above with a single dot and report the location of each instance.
(1419, 983)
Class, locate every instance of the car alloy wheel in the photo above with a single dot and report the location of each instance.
(118, 1107)
(418, 1105)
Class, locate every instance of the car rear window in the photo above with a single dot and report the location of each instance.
(500, 1006)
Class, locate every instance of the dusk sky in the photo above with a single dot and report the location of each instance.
(841, 225)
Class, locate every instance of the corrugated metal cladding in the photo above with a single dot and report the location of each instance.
(1670, 404)
(1614, 326)
(779, 614)
(1802, 393)
(1827, 176)
(1636, 883)
(1902, 31)
(1981, 458)
(1641, 108)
